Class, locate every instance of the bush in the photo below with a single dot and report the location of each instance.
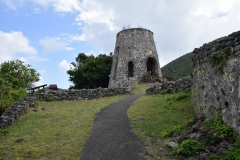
(189, 148)
(40, 91)
(221, 129)
(48, 99)
(169, 132)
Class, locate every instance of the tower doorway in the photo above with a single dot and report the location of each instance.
(130, 69)
(152, 67)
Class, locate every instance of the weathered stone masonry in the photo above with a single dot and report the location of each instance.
(183, 84)
(212, 89)
(84, 94)
(135, 55)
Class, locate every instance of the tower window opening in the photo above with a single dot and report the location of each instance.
(130, 69)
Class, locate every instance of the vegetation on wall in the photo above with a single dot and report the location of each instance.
(219, 60)
(178, 68)
(90, 71)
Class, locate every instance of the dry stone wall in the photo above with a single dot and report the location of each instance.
(135, 55)
(12, 113)
(183, 84)
(218, 89)
(83, 94)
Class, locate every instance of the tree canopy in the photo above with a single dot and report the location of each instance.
(90, 71)
(15, 78)
(18, 74)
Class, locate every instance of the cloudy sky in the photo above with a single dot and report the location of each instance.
(48, 34)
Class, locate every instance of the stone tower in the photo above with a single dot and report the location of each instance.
(135, 57)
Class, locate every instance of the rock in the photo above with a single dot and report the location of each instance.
(172, 145)
(175, 134)
(204, 156)
(34, 109)
(19, 140)
(138, 118)
(212, 149)
(43, 108)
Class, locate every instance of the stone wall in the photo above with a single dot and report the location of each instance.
(12, 113)
(214, 89)
(83, 94)
(134, 47)
(183, 84)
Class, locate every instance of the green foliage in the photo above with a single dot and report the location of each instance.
(181, 96)
(40, 91)
(4, 132)
(8, 95)
(221, 129)
(189, 148)
(165, 91)
(170, 131)
(219, 60)
(18, 74)
(232, 153)
(178, 68)
(48, 99)
(90, 71)
(215, 157)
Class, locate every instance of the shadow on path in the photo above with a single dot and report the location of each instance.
(112, 137)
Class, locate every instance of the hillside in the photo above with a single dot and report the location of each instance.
(179, 67)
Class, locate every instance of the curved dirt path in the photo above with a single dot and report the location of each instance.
(112, 137)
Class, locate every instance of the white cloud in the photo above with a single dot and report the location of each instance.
(13, 43)
(64, 65)
(40, 82)
(51, 45)
(178, 26)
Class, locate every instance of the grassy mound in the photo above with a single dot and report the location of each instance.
(159, 114)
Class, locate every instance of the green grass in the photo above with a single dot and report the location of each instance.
(59, 132)
(160, 113)
(141, 88)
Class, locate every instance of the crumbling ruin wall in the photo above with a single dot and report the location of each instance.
(216, 84)
(135, 55)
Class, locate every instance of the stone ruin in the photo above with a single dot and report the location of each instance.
(215, 89)
(135, 58)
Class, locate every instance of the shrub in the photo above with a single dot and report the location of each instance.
(232, 153)
(189, 148)
(48, 99)
(221, 129)
(40, 91)
(169, 132)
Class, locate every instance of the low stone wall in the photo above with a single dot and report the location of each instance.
(83, 94)
(12, 113)
(183, 84)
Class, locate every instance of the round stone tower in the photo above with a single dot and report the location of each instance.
(135, 58)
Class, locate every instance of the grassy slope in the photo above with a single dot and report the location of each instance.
(160, 113)
(179, 67)
(56, 133)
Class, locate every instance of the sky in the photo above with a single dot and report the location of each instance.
(49, 34)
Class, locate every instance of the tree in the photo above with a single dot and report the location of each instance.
(18, 74)
(90, 71)
(15, 77)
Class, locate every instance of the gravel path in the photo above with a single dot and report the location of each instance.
(112, 137)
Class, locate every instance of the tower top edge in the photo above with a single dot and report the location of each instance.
(132, 29)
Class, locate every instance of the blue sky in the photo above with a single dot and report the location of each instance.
(48, 34)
